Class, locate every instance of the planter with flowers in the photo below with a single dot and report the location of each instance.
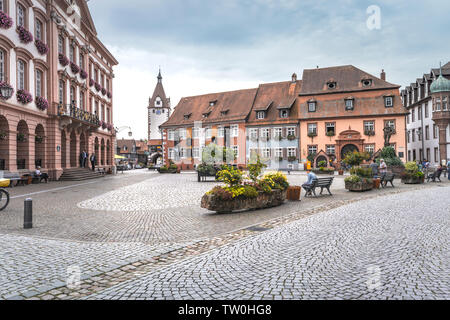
(24, 97)
(98, 87)
(5, 85)
(103, 91)
(75, 69)
(110, 126)
(41, 103)
(83, 74)
(63, 60)
(109, 95)
(5, 21)
(41, 47)
(291, 137)
(25, 36)
(361, 178)
(91, 82)
(412, 174)
(3, 135)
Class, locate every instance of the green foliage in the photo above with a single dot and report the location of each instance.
(163, 169)
(353, 179)
(206, 169)
(276, 180)
(356, 158)
(361, 172)
(390, 157)
(412, 171)
(255, 169)
(221, 193)
(311, 157)
(411, 166)
(243, 191)
(322, 164)
(231, 177)
(291, 137)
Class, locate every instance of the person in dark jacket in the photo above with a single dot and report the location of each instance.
(93, 161)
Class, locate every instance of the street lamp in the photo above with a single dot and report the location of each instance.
(6, 92)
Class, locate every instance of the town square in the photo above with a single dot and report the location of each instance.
(129, 171)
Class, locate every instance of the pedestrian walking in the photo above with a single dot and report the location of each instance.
(84, 156)
(93, 160)
(383, 168)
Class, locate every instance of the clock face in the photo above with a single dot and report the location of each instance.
(158, 112)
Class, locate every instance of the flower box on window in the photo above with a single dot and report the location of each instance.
(291, 137)
(369, 133)
(5, 21)
(24, 97)
(292, 158)
(5, 85)
(63, 60)
(21, 137)
(312, 134)
(83, 74)
(39, 139)
(109, 95)
(110, 126)
(41, 47)
(41, 103)
(25, 36)
(331, 133)
(75, 69)
(98, 87)
(91, 82)
(104, 125)
(3, 135)
(103, 91)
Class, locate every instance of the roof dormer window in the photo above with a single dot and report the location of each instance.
(312, 106)
(331, 85)
(366, 82)
(284, 113)
(206, 114)
(212, 103)
(388, 101)
(349, 104)
(187, 116)
(260, 115)
(224, 112)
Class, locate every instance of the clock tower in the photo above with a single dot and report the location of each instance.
(158, 110)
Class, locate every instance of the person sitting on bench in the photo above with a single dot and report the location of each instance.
(311, 177)
(41, 175)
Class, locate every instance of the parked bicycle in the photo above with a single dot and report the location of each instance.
(4, 195)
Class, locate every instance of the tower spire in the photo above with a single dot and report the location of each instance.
(159, 75)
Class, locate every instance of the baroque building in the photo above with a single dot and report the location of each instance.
(424, 139)
(61, 77)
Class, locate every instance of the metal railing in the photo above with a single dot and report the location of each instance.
(79, 114)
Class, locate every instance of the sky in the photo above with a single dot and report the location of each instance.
(205, 46)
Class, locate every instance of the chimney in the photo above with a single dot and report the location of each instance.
(383, 75)
(294, 77)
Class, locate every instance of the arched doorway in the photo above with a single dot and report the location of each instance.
(102, 148)
(4, 144)
(108, 152)
(63, 149)
(39, 146)
(73, 149)
(155, 157)
(96, 151)
(348, 148)
(320, 159)
(83, 144)
(23, 143)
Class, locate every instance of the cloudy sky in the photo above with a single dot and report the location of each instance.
(208, 46)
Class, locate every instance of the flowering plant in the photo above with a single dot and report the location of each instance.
(98, 87)
(5, 21)
(103, 91)
(109, 95)
(91, 82)
(42, 48)
(63, 60)
(41, 103)
(110, 126)
(100, 123)
(24, 97)
(83, 74)
(75, 69)
(104, 125)
(24, 35)
(5, 85)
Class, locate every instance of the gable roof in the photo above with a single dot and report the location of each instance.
(230, 106)
(348, 78)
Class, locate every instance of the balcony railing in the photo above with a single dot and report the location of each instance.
(76, 113)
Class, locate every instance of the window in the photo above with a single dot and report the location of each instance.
(427, 132)
(208, 132)
(414, 155)
(107, 84)
(421, 154)
(38, 83)
(21, 75)
(81, 61)
(312, 106)
(184, 153)
(72, 95)
(426, 110)
(438, 104)
(266, 153)
(312, 128)
(389, 123)
(171, 153)
(107, 115)
(235, 130)
(260, 115)
(20, 15)
(265, 133)
(436, 154)
(182, 133)
(292, 152)
(428, 154)
(369, 148)
(349, 104)
(409, 155)
(331, 85)
(291, 131)
(61, 92)
(254, 133)
(82, 102)
(235, 150)
(284, 113)
(61, 44)
(369, 126)
(278, 152)
(196, 152)
(444, 104)
(388, 102)
(2, 7)
(331, 149)
(39, 30)
(413, 135)
(419, 113)
(195, 132)
(277, 132)
(419, 134)
(312, 149)
(2, 65)
(212, 103)
(408, 134)
(72, 53)
(171, 135)
(103, 112)
(330, 128)
(367, 82)
(413, 115)
(221, 132)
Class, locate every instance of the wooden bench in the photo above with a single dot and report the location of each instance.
(387, 178)
(322, 183)
(15, 177)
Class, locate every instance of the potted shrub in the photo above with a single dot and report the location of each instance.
(361, 178)
(109, 94)
(24, 35)
(292, 158)
(369, 133)
(39, 139)
(394, 163)
(75, 69)
(291, 137)
(41, 103)
(83, 74)
(412, 174)
(24, 97)
(63, 60)
(98, 87)
(41, 47)
(91, 82)
(312, 134)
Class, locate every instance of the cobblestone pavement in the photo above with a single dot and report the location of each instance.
(397, 248)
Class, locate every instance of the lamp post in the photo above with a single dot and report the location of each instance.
(117, 130)
(6, 92)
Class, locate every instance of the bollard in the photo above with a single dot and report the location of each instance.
(28, 214)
